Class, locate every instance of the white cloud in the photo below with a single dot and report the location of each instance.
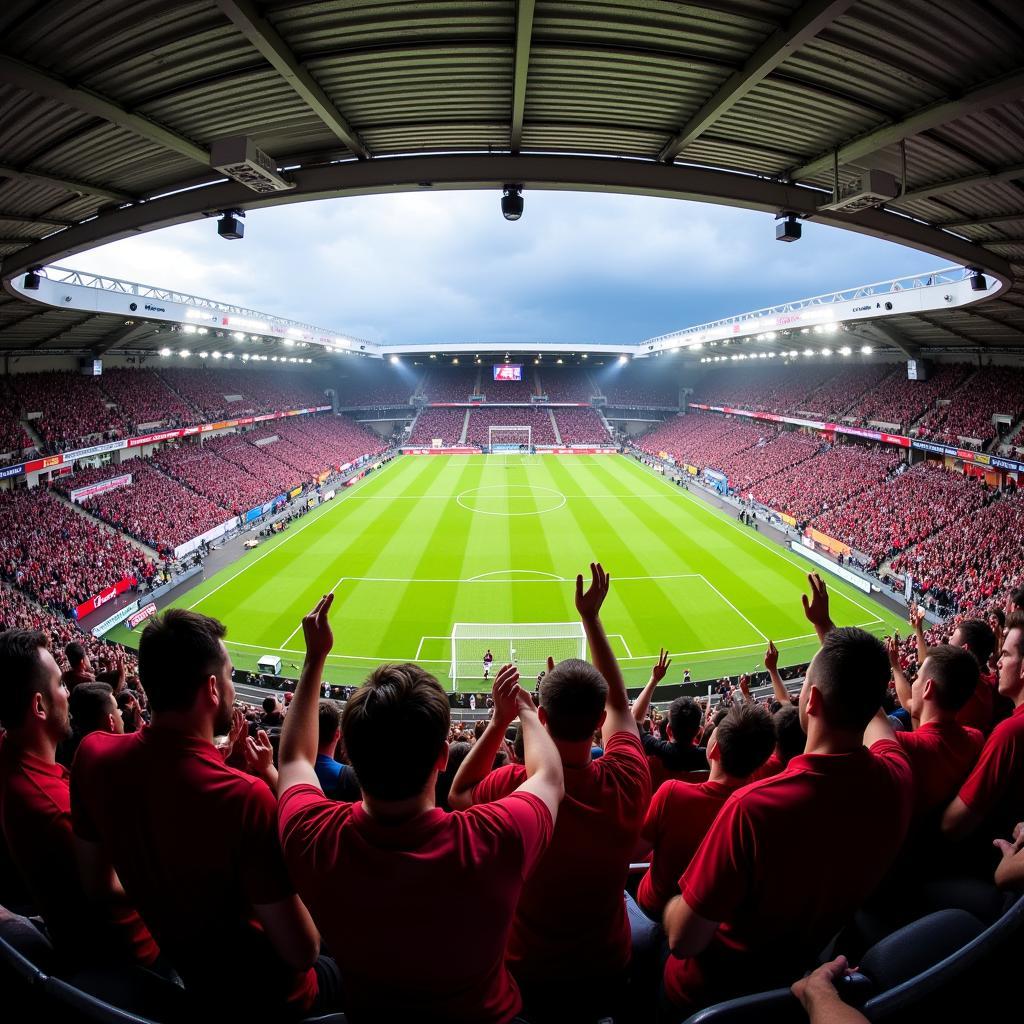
(445, 266)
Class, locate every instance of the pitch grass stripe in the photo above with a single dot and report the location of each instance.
(371, 554)
(708, 510)
(592, 538)
(530, 536)
(313, 518)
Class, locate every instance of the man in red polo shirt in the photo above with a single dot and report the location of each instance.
(193, 840)
(571, 922)
(991, 801)
(682, 812)
(35, 810)
(942, 752)
(381, 876)
(735, 927)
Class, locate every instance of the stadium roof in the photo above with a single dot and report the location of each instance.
(109, 110)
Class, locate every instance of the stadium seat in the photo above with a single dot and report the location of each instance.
(779, 1006)
(930, 956)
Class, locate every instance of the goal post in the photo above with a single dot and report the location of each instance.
(527, 645)
(510, 439)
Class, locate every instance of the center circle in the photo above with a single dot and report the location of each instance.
(510, 499)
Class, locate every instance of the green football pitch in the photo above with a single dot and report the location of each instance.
(428, 542)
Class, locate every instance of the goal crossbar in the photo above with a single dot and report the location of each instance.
(509, 438)
(525, 644)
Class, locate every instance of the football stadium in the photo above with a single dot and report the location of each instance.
(348, 674)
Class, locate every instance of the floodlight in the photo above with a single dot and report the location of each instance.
(230, 224)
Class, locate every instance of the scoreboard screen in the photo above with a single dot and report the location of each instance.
(508, 371)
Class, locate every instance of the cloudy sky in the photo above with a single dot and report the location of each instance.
(446, 267)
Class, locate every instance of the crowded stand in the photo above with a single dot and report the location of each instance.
(780, 388)
(14, 439)
(443, 424)
(452, 383)
(257, 460)
(706, 442)
(66, 408)
(152, 508)
(904, 510)
(566, 384)
(903, 402)
(220, 393)
(654, 392)
(144, 401)
(827, 481)
(774, 453)
(58, 557)
(480, 419)
(581, 426)
(19, 612)
(967, 565)
(224, 483)
(508, 390)
(968, 416)
(841, 392)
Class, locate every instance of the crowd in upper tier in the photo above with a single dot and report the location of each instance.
(152, 820)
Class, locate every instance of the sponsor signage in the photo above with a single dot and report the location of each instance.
(9, 471)
(100, 599)
(81, 493)
(827, 564)
(295, 491)
(141, 615)
(119, 616)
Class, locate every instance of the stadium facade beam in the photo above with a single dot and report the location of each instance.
(42, 83)
(942, 188)
(875, 330)
(805, 24)
(267, 40)
(521, 69)
(974, 222)
(27, 218)
(82, 188)
(57, 335)
(492, 171)
(1004, 89)
(124, 334)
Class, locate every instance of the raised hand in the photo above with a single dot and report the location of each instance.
(505, 693)
(317, 630)
(661, 666)
(816, 609)
(259, 754)
(892, 648)
(524, 703)
(916, 618)
(771, 657)
(551, 664)
(588, 604)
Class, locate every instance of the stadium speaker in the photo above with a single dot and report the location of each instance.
(230, 224)
(788, 230)
(978, 282)
(32, 280)
(512, 202)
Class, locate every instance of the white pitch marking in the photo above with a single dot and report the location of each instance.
(341, 579)
(291, 535)
(735, 609)
(774, 548)
(510, 572)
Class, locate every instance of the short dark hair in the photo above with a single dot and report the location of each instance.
(573, 696)
(89, 705)
(269, 704)
(21, 673)
(956, 674)
(1017, 597)
(479, 728)
(178, 652)
(395, 726)
(1015, 620)
(685, 717)
(790, 738)
(852, 674)
(979, 639)
(746, 739)
(328, 719)
(75, 653)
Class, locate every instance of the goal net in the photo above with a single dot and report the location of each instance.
(527, 645)
(510, 439)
